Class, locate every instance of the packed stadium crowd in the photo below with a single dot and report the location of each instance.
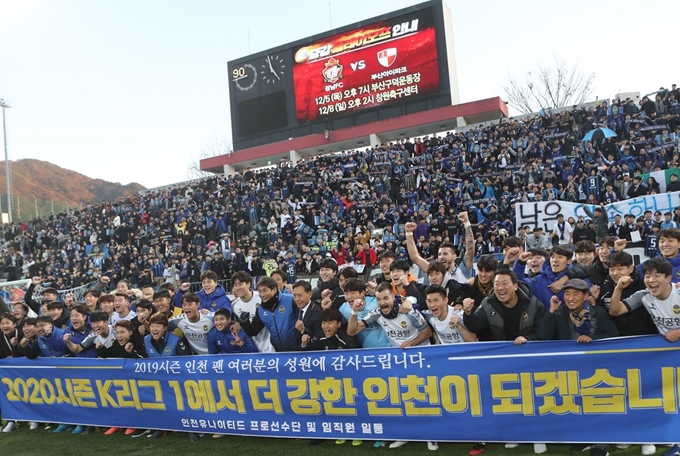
(443, 205)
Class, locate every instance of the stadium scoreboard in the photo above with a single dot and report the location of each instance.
(373, 70)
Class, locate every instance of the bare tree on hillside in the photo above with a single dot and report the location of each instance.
(214, 148)
(550, 86)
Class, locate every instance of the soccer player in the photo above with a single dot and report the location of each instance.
(658, 298)
(211, 297)
(194, 325)
(121, 305)
(436, 274)
(228, 338)
(28, 346)
(328, 280)
(555, 273)
(446, 322)
(669, 248)
(48, 295)
(106, 304)
(585, 252)
(355, 292)
(51, 338)
(92, 300)
(245, 307)
(160, 342)
(333, 338)
(385, 260)
(535, 263)
(635, 323)
(404, 283)
(277, 313)
(60, 315)
(78, 332)
(162, 299)
(10, 337)
(141, 321)
(447, 253)
(281, 281)
(123, 346)
(103, 334)
(148, 292)
(403, 329)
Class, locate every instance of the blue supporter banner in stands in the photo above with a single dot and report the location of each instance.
(544, 213)
(491, 391)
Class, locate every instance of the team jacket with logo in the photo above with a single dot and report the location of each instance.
(170, 345)
(278, 315)
(225, 342)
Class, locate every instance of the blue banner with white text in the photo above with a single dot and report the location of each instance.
(563, 391)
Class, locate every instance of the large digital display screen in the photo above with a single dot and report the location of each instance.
(261, 114)
(386, 62)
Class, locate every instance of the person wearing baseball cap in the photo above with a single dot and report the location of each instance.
(577, 319)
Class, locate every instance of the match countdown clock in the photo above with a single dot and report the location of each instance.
(244, 76)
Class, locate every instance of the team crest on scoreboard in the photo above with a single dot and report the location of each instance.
(387, 57)
(332, 72)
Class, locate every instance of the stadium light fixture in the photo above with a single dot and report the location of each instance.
(4, 106)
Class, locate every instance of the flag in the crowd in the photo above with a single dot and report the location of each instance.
(662, 177)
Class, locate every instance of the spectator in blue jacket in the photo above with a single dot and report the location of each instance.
(79, 329)
(228, 338)
(212, 296)
(553, 275)
(51, 338)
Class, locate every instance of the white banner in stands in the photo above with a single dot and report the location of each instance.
(544, 213)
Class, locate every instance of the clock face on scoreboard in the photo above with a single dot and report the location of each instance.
(272, 69)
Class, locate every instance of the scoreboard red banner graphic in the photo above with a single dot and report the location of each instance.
(387, 62)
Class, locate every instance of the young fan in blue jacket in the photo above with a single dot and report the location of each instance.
(211, 297)
(228, 338)
(554, 273)
(50, 338)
